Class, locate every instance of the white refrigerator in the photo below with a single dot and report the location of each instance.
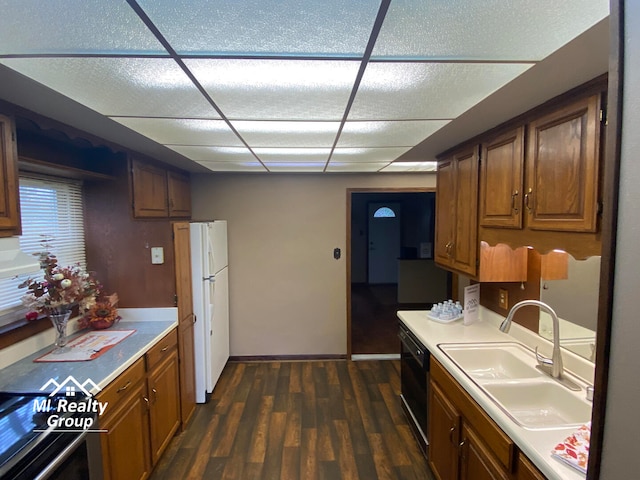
(210, 274)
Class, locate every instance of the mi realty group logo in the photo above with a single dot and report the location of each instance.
(70, 406)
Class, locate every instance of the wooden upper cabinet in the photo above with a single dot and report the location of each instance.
(562, 168)
(457, 211)
(179, 192)
(149, 190)
(159, 193)
(501, 180)
(9, 192)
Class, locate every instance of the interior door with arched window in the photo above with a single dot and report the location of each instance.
(384, 242)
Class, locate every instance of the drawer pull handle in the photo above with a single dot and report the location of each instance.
(122, 389)
(451, 433)
(146, 400)
(155, 395)
(514, 207)
(165, 348)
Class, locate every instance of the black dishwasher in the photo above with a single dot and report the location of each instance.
(414, 375)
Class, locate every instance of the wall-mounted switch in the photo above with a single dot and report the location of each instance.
(336, 253)
(503, 298)
(157, 255)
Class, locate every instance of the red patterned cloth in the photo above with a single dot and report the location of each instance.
(574, 450)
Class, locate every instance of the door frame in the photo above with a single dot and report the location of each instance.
(351, 191)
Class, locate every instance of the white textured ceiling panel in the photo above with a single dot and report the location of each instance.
(270, 27)
(364, 167)
(418, 91)
(388, 134)
(183, 131)
(138, 87)
(287, 134)
(484, 30)
(215, 154)
(277, 89)
(353, 155)
(411, 167)
(73, 26)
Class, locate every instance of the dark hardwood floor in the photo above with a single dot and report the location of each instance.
(316, 420)
(374, 320)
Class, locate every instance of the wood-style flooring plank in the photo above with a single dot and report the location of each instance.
(330, 420)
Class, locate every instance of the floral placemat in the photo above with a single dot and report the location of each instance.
(574, 450)
(86, 347)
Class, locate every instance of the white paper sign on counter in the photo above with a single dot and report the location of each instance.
(471, 303)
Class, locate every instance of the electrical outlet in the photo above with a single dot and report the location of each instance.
(503, 298)
(157, 255)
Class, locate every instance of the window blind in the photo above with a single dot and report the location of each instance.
(51, 208)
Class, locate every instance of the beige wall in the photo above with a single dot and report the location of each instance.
(287, 293)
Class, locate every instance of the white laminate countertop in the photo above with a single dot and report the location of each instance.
(25, 375)
(536, 444)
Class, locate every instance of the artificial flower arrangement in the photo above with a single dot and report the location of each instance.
(102, 314)
(61, 288)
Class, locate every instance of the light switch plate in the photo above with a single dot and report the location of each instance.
(157, 255)
(503, 298)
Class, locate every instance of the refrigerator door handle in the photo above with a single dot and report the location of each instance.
(210, 278)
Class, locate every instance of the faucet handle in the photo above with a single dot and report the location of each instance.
(542, 360)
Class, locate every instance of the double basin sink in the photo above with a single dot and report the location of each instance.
(506, 372)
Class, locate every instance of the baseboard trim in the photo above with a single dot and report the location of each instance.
(375, 356)
(284, 358)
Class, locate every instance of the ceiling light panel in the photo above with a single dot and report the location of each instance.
(180, 131)
(353, 155)
(293, 155)
(411, 167)
(287, 134)
(488, 30)
(388, 134)
(234, 167)
(267, 27)
(72, 27)
(393, 91)
(277, 89)
(215, 154)
(349, 167)
(298, 167)
(139, 87)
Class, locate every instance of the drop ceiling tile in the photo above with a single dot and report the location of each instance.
(353, 167)
(265, 26)
(277, 89)
(287, 134)
(234, 166)
(181, 131)
(367, 155)
(488, 30)
(74, 26)
(139, 87)
(411, 167)
(414, 91)
(295, 155)
(388, 134)
(215, 154)
(298, 167)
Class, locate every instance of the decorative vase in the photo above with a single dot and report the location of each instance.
(59, 321)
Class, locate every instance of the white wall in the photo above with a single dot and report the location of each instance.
(620, 459)
(287, 293)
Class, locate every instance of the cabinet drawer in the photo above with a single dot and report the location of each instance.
(492, 435)
(119, 389)
(162, 349)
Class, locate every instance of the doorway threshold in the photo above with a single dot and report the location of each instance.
(375, 356)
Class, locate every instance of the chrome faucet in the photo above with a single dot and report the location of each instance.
(552, 366)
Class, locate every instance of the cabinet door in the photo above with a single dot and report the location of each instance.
(526, 470)
(179, 191)
(445, 213)
(562, 168)
(125, 446)
(9, 193)
(444, 435)
(149, 190)
(501, 180)
(164, 414)
(186, 320)
(476, 461)
(465, 244)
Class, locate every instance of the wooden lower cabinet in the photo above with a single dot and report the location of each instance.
(125, 446)
(464, 442)
(143, 413)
